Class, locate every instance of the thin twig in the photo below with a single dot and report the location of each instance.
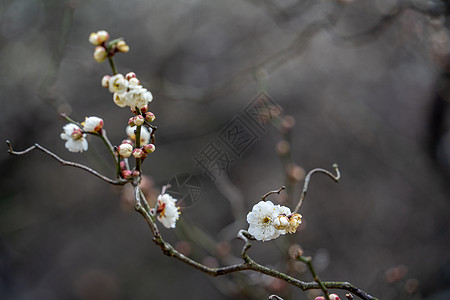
(65, 162)
(248, 263)
(308, 178)
(263, 198)
(308, 262)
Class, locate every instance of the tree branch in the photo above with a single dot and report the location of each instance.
(65, 162)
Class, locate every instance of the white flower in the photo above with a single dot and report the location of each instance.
(262, 220)
(167, 211)
(118, 84)
(92, 124)
(125, 150)
(145, 134)
(138, 97)
(75, 138)
(120, 99)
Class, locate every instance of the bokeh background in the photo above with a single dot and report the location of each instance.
(360, 83)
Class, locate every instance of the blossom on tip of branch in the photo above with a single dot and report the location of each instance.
(168, 213)
(99, 37)
(261, 220)
(92, 124)
(122, 47)
(100, 54)
(75, 138)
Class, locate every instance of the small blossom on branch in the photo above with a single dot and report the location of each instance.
(75, 138)
(168, 213)
(262, 220)
(98, 38)
(92, 124)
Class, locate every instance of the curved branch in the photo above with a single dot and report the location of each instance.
(65, 162)
(248, 263)
(308, 178)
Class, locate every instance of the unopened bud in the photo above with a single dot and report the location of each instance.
(144, 109)
(138, 120)
(127, 142)
(102, 36)
(149, 116)
(138, 153)
(130, 75)
(125, 174)
(100, 54)
(334, 297)
(77, 134)
(122, 47)
(105, 81)
(131, 122)
(149, 148)
(125, 150)
(123, 165)
(136, 173)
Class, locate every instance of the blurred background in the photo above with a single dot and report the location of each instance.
(360, 83)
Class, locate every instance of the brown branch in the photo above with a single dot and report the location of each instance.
(248, 263)
(65, 162)
(308, 178)
(263, 198)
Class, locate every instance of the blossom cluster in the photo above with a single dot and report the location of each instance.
(268, 221)
(127, 90)
(102, 51)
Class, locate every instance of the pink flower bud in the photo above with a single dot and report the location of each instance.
(136, 173)
(100, 54)
(144, 109)
(149, 148)
(122, 47)
(138, 153)
(149, 116)
(138, 120)
(130, 75)
(105, 81)
(125, 174)
(334, 297)
(123, 166)
(127, 142)
(131, 121)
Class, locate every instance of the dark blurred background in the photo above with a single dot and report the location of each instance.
(360, 83)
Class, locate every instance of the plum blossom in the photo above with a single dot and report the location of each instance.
(168, 213)
(92, 124)
(118, 84)
(75, 138)
(268, 221)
